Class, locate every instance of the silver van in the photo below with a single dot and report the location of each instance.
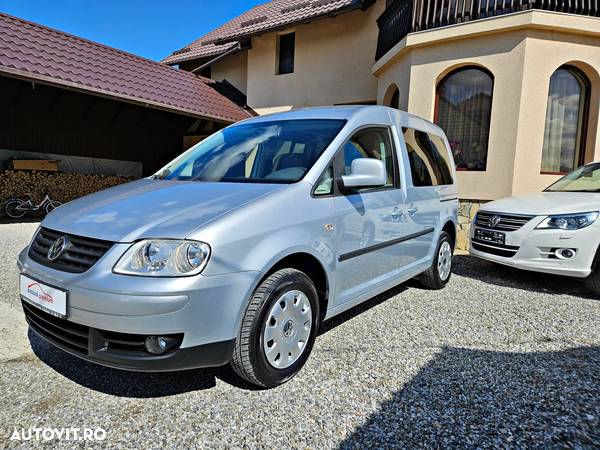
(236, 251)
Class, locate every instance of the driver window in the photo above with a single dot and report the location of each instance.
(371, 143)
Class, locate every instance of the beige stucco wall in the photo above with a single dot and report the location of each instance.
(234, 69)
(333, 60)
(521, 51)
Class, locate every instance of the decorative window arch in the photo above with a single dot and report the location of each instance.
(567, 114)
(463, 109)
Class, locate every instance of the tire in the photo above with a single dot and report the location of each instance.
(265, 318)
(51, 205)
(435, 277)
(592, 282)
(10, 207)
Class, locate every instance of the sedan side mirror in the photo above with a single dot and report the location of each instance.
(365, 173)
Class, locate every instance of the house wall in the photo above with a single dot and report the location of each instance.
(333, 59)
(521, 51)
(234, 69)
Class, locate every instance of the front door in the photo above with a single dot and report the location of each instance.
(367, 220)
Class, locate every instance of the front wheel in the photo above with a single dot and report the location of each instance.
(51, 205)
(278, 329)
(592, 282)
(12, 209)
(438, 275)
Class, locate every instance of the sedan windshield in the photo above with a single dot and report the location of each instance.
(256, 152)
(584, 179)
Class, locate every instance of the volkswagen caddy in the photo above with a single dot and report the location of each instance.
(236, 251)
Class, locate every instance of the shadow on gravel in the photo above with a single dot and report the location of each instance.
(485, 399)
(499, 275)
(146, 385)
(121, 382)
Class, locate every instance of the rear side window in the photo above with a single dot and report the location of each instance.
(428, 157)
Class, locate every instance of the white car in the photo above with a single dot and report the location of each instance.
(556, 231)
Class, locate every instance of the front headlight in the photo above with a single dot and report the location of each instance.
(164, 258)
(569, 221)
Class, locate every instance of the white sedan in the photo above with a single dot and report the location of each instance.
(556, 231)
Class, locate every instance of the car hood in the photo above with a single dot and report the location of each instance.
(152, 208)
(545, 203)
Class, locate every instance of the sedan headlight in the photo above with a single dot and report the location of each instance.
(164, 258)
(569, 221)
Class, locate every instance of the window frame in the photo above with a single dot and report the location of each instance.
(437, 104)
(579, 75)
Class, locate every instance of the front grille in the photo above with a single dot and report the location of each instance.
(69, 334)
(80, 254)
(507, 222)
(507, 251)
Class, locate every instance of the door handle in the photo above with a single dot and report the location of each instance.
(396, 213)
(412, 210)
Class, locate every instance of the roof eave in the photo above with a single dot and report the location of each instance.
(50, 81)
(362, 5)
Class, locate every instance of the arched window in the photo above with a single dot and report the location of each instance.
(395, 100)
(392, 97)
(566, 121)
(463, 109)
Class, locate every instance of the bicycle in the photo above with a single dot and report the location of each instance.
(18, 207)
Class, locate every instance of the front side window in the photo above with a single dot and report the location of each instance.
(428, 158)
(566, 113)
(371, 143)
(325, 184)
(463, 111)
(286, 49)
(584, 179)
(257, 152)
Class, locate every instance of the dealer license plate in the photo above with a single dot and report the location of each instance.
(48, 298)
(494, 237)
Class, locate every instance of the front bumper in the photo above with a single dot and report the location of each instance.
(533, 249)
(204, 310)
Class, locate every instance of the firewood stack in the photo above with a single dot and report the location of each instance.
(63, 187)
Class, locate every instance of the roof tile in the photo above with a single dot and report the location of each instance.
(37, 52)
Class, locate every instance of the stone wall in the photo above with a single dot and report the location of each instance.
(466, 214)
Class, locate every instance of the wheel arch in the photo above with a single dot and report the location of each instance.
(450, 228)
(312, 267)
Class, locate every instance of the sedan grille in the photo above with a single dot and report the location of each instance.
(79, 255)
(501, 222)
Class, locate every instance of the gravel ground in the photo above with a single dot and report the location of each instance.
(500, 358)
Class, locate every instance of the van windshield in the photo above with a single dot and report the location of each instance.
(584, 179)
(280, 151)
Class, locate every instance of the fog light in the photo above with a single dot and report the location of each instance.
(564, 253)
(157, 345)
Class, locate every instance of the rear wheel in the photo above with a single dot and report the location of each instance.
(278, 329)
(11, 208)
(438, 275)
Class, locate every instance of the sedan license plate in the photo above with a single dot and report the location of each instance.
(47, 298)
(494, 237)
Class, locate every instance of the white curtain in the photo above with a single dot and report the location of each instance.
(562, 133)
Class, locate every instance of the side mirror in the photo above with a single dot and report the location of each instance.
(365, 173)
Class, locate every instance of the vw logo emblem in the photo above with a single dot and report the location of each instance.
(494, 220)
(57, 248)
